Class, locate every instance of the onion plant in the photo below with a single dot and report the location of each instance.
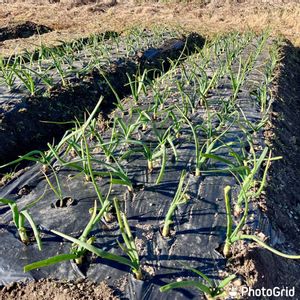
(77, 251)
(153, 151)
(119, 175)
(165, 137)
(7, 68)
(126, 131)
(238, 78)
(159, 94)
(108, 147)
(186, 97)
(119, 103)
(137, 85)
(235, 235)
(19, 217)
(247, 176)
(26, 76)
(56, 189)
(176, 122)
(205, 151)
(205, 83)
(92, 178)
(82, 244)
(129, 246)
(41, 157)
(58, 64)
(261, 95)
(196, 140)
(181, 197)
(209, 288)
(72, 137)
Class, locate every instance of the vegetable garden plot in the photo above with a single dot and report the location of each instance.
(63, 84)
(161, 169)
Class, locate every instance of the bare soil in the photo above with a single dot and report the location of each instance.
(73, 19)
(52, 289)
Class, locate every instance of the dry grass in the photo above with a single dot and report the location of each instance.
(74, 18)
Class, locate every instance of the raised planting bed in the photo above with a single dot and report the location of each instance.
(62, 84)
(163, 196)
(21, 31)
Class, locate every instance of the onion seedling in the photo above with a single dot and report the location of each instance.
(95, 218)
(108, 147)
(56, 190)
(181, 197)
(97, 251)
(41, 157)
(210, 145)
(254, 126)
(204, 152)
(127, 130)
(210, 289)
(261, 95)
(19, 217)
(92, 178)
(121, 175)
(27, 78)
(235, 235)
(238, 78)
(75, 134)
(196, 141)
(137, 86)
(187, 98)
(159, 95)
(158, 152)
(7, 70)
(205, 83)
(129, 246)
(177, 123)
(163, 139)
(59, 67)
(248, 175)
(77, 251)
(117, 173)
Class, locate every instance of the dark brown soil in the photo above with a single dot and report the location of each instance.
(23, 30)
(47, 289)
(283, 191)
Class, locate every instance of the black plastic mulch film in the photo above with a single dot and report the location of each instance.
(199, 225)
(77, 84)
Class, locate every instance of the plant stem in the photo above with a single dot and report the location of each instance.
(227, 197)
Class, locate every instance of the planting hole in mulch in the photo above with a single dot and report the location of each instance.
(64, 202)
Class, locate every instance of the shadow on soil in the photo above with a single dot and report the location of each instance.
(21, 31)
